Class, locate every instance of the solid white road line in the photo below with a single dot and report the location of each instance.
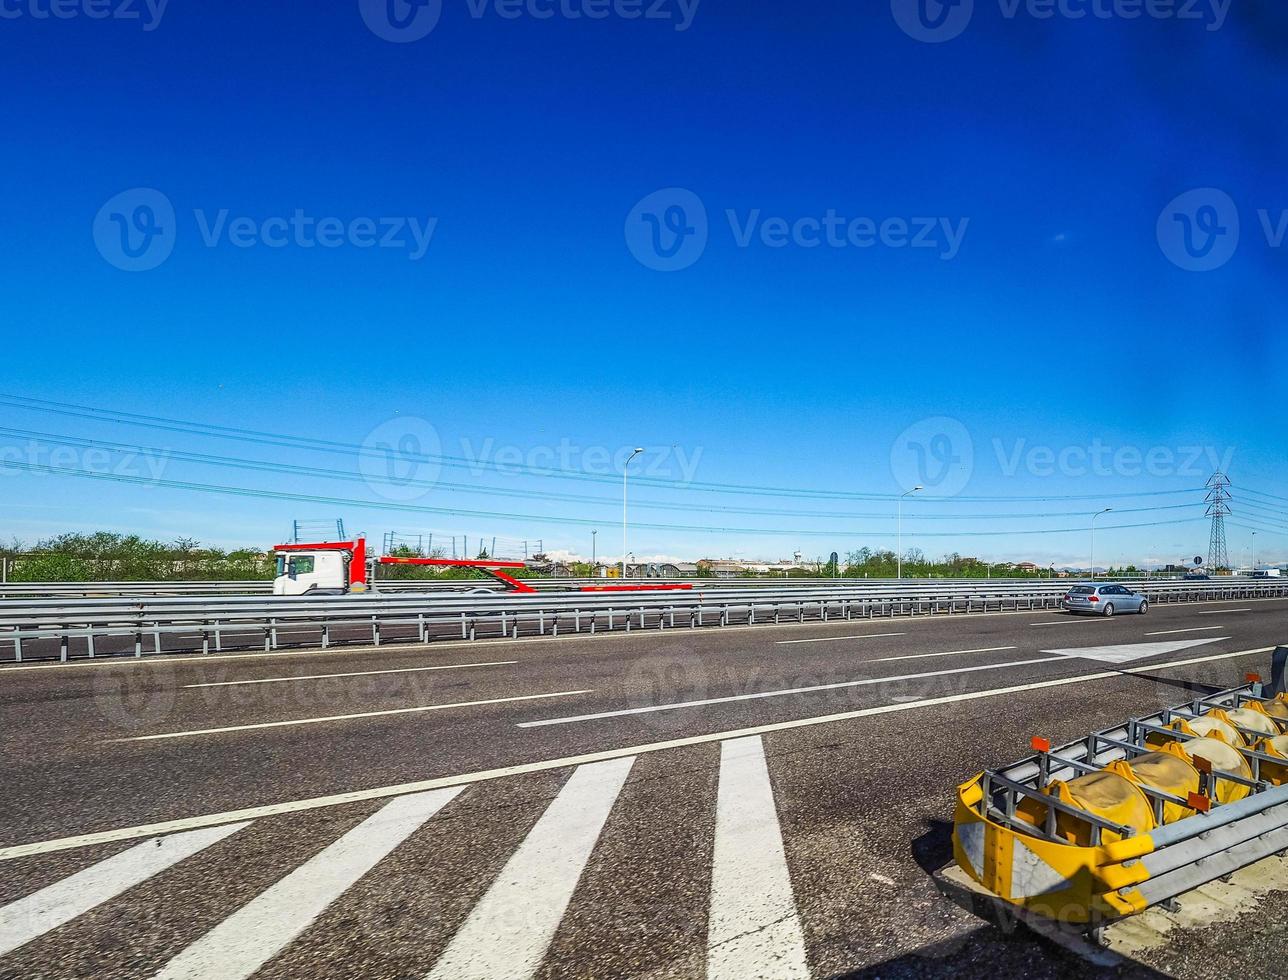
(363, 714)
(262, 928)
(833, 639)
(507, 934)
(38, 913)
(1192, 629)
(486, 775)
(1065, 622)
(760, 695)
(753, 932)
(1220, 612)
(949, 653)
(354, 673)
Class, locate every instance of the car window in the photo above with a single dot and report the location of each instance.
(1082, 590)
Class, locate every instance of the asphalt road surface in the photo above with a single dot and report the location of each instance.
(737, 803)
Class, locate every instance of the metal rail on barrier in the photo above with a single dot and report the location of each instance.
(191, 623)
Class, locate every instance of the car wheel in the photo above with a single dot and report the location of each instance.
(1144, 607)
(1109, 609)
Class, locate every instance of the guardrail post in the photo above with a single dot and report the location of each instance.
(272, 622)
(138, 644)
(90, 642)
(156, 641)
(541, 621)
(268, 639)
(751, 614)
(326, 635)
(576, 620)
(464, 634)
(205, 643)
(375, 631)
(17, 649)
(219, 639)
(505, 631)
(62, 647)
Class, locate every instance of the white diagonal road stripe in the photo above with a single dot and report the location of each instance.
(754, 932)
(507, 934)
(38, 913)
(259, 930)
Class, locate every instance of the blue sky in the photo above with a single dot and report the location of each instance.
(1041, 321)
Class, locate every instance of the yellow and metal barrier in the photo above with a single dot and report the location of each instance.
(1132, 816)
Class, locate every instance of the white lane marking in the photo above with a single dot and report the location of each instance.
(760, 695)
(948, 653)
(1126, 652)
(508, 932)
(1192, 629)
(486, 775)
(754, 930)
(834, 639)
(1073, 618)
(387, 648)
(262, 928)
(353, 673)
(361, 714)
(1219, 612)
(31, 917)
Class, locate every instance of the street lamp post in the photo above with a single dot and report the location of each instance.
(593, 553)
(899, 556)
(1093, 539)
(625, 469)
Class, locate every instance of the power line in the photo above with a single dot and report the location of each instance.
(292, 469)
(353, 449)
(530, 518)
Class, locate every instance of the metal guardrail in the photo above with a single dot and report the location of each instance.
(33, 590)
(74, 628)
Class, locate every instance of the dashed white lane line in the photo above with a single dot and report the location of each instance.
(1065, 622)
(45, 910)
(362, 714)
(262, 928)
(834, 639)
(1221, 612)
(1192, 629)
(353, 673)
(546, 765)
(760, 695)
(947, 653)
(508, 932)
(754, 931)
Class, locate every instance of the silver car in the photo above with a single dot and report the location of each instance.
(1105, 600)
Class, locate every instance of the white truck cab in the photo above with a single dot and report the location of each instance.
(332, 568)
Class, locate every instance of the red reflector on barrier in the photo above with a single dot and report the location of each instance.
(1252, 678)
(1199, 802)
(1040, 744)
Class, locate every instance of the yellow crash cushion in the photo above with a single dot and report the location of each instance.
(1278, 709)
(1275, 773)
(1253, 718)
(1167, 771)
(1216, 721)
(1108, 795)
(1222, 755)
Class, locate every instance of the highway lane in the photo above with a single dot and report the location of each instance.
(861, 803)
